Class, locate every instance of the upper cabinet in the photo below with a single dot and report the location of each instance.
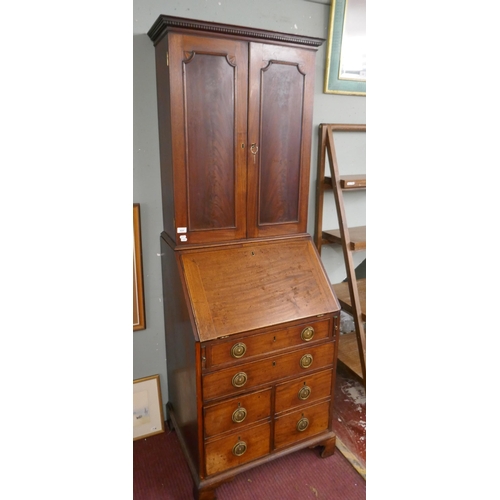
(235, 122)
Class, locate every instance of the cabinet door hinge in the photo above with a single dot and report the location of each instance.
(167, 58)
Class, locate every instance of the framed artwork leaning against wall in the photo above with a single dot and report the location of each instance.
(148, 408)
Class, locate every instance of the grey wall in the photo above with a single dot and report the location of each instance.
(304, 17)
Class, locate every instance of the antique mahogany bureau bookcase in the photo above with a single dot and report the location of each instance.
(250, 317)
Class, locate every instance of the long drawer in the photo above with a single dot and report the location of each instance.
(237, 448)
(247, 375)
(266, 343)
(301, 424)
(237, 413)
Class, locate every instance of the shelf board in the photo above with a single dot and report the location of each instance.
(357, 235)
(349, 354)
(353, 182)
(342, 292)
(347, 182)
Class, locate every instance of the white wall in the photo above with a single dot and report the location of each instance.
(303, 17)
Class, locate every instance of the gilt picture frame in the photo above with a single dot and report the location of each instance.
(345, 71)
(139, 315)
(148, 407)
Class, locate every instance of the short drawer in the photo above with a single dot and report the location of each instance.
(301, 424)
(237, 448)
(304, 390)
(248, 375)
(267, 343)
(237, 412)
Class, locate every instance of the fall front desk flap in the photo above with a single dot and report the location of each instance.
(246, 286)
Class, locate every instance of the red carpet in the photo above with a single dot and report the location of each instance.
(160, 472)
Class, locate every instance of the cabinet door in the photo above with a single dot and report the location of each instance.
(281, 90)
(208, 96)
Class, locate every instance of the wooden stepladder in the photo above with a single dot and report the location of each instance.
(352, 292)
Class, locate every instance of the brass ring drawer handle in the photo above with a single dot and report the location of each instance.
(238, 350)
(302, 424)
(307, 333)
(239, 448)
(306, 361)
(239, 415)
(304, 393)
(240, 379)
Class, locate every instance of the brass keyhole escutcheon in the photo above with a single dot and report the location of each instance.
(307, 333)
(304, 393)
(253, 149)
(240, 379)
(238, 350)
(306, 360)
(239, 448)
(302, 424)
(239, 415)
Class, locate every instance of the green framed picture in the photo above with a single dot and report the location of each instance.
(346, 52)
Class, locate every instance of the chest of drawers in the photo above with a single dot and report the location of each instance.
(251, 353)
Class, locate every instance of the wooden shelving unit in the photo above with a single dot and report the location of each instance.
(352, 292)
